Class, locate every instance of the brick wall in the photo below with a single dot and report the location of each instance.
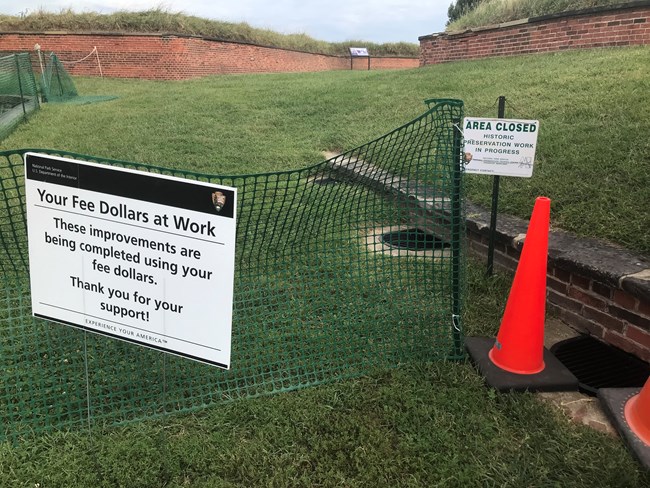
(601, 309)
(625, 25)
(173, 57)
(597, 288)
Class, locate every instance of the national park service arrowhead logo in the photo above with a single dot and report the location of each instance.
(218, 200)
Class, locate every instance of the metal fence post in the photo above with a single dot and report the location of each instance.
(495, 201)
(20, 85)
(456, 226)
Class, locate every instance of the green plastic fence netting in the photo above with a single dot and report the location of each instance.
(57, 85)
(319, 295)
(18, 91)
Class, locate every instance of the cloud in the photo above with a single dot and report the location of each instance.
(332, 20)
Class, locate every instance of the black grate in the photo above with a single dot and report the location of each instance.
(414, 239)
(324, 181)
(599, 365)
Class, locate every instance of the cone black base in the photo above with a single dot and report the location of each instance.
(554, 377)
(613, 401)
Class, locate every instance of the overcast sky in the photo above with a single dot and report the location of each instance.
(328, 20)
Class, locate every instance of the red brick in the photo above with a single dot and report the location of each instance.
(624, 299)
(590, 30)
(580, 281)
(601, 289)
(638, 335)
(630, 317)
(604, 319)
(586, 298)
(562, 274)
(556, 285)
(644, 308)
(627, 345)
(564, 302)
(581, 323)
(172, 57)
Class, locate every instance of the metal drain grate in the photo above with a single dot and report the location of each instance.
(414, 239)
(599, 365)
(324, 181)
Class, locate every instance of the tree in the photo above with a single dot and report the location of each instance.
(459, 8)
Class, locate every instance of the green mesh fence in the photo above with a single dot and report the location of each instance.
(18, 91)
(57, 85)
(319, 296)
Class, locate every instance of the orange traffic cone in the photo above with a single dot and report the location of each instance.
(637, 413)
(629, 411)
(519, 347)
(518, 361)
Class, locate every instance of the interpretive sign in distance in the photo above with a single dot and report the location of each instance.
(359, 52)
(500, 146)
(141, 257)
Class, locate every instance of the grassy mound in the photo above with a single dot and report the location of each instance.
(497, 11)
(159, 20)
(592, 159)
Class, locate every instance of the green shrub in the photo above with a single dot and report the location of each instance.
(490, 12)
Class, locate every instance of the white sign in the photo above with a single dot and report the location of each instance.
(359, 51)
(140, 257)
(500, 146)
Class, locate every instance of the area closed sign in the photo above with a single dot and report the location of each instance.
(503, 147)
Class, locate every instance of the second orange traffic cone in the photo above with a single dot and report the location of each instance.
(637, 413)
(629, 411)
(519, 347)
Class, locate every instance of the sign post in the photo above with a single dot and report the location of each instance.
(499, 147)
(359, 52)
(495, 201)
(141, 257)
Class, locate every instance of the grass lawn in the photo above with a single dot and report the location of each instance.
(423, 424)
(593, 157)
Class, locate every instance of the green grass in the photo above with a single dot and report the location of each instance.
(160, 20)
(424, 424)
(491, 12)
(593, 156)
